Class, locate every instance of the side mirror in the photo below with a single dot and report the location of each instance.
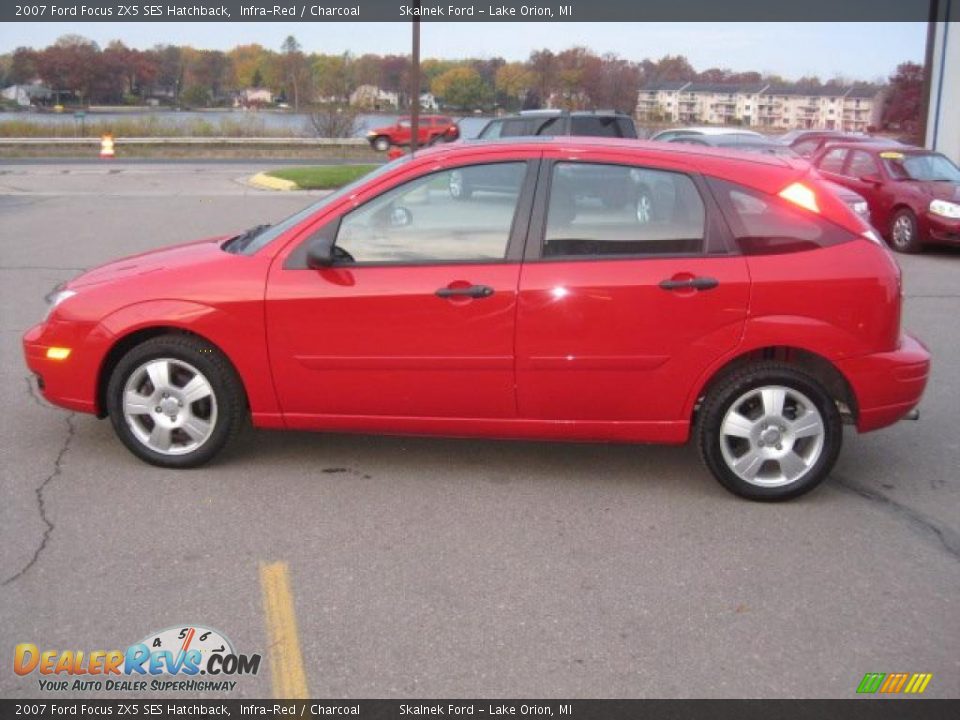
(320, 253)
(872, 178)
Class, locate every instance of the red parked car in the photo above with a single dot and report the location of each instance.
(731, 299)
(430, 129)
(913, 194)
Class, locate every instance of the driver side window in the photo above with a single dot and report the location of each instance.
(461, 214)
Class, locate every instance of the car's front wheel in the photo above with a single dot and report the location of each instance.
(769, 432)
(381, 143)
(175, 401)
(904, 232)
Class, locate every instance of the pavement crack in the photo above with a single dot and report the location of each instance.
(32, 393)
(41, 501)
(949, 538)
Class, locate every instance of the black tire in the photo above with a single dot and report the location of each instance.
(905, 232)
(381, 143)
(729, 390)
(227, 393)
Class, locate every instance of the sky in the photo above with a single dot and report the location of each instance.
(858, 51)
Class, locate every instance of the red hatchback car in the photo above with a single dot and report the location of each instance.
(430, 129)
(727, 297)
(913, 194)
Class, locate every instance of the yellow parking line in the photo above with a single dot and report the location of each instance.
(286, 661)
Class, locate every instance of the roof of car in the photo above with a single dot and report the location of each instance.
(556, 112)
(876, 146)
(575, 142)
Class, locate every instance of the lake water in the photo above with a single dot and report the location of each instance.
(296, 124)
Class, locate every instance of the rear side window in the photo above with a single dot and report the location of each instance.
(610, 210)
(806, 148)
(595, 126)
(493, 130)
(627, 128)
(832, 162)
(765, 224)
(516, 128)
(862, 164)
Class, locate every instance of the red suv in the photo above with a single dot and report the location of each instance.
(913, 194)
(740, 303)
(430, 129)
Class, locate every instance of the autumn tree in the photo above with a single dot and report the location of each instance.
(333, 77)
(295, 70)
(461, 87)
(248, 63)
(23, 66)
(513, 80)
(904, 100)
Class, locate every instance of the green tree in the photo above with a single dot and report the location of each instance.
(461, 87)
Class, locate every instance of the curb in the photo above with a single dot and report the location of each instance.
(268, 182)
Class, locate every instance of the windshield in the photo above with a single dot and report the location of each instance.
(920, 167)
(271, 233)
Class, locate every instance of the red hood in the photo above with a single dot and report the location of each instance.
(149, 262)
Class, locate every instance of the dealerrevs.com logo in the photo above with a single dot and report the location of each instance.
(172, 659)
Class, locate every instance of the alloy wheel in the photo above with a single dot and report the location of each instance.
(772, 436)
(170, 406)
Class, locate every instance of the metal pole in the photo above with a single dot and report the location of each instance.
(415, 84)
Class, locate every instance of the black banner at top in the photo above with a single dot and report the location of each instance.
(853, 11)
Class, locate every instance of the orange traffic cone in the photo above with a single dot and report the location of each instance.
(106, 146)
(394, 152)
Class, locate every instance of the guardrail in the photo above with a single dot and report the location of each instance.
(326, 142)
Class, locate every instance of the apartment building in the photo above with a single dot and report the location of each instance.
(779, 107)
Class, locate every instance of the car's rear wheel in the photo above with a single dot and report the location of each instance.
(904, 232)
(381, 143)
(458, 186)
(175, 401)
(769, 432)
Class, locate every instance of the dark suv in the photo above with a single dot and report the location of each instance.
(544, 123)
(595, 123)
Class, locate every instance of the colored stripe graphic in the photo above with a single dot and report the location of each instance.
(286, 660)
(913, 683)
(871, 682)
(918, 683)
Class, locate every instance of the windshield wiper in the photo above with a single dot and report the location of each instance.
(238, 243)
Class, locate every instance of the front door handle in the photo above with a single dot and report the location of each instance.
(694, 283)
(470, 291)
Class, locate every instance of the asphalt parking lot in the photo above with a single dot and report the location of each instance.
(459, 568)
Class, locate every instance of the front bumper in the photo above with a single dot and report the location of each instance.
(943, 230)
(888, 385)
(69, 383)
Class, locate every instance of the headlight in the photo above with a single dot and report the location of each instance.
(945, 209)
(57, 298)
(873, 237)
(861, 209)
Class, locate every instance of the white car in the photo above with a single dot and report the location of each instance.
(668, 135)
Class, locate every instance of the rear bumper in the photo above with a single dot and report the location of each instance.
(888, 385)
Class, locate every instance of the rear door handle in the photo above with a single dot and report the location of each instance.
(471, 291)
(696, 283)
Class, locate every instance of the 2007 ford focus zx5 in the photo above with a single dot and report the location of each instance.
(570, 289)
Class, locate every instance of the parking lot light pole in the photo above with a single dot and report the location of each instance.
(415, 82)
